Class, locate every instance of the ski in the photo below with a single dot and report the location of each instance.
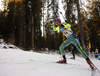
(68, 63)
(60, 62)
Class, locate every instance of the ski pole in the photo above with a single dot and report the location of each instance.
(63, 16)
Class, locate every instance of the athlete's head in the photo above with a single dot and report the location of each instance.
(57, 22)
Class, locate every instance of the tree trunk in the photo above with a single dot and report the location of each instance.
(32, 36)
(24, 35)
(54, 14)
(13, 30)
(80, 23)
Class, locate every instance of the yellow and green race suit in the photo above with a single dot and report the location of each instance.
(65, 28)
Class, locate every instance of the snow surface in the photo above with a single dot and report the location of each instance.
(16, 62)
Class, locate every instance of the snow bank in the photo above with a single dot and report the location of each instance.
(3, 45)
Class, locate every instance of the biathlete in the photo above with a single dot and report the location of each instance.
(65, 28)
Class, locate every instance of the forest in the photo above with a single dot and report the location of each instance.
(26, 23)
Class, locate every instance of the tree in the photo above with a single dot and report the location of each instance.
(80, 23)
(93, 23)
(23, 24)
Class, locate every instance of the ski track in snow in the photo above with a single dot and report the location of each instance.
(15, 62)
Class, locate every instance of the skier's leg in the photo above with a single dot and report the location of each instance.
(83, 53)
(63, 45)
(61, 48)
(73, 52)
(85, 56)
(78, 47)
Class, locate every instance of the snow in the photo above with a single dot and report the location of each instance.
(16, 62)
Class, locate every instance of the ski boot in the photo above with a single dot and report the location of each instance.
(63, 60)
(90, 64)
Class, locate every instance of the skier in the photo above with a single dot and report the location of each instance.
(65, 28)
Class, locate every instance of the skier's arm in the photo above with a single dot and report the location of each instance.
(55, 28)
(67, 25)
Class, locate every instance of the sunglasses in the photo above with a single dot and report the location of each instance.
(57, 22)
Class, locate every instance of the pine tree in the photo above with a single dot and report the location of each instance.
(94, 23)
